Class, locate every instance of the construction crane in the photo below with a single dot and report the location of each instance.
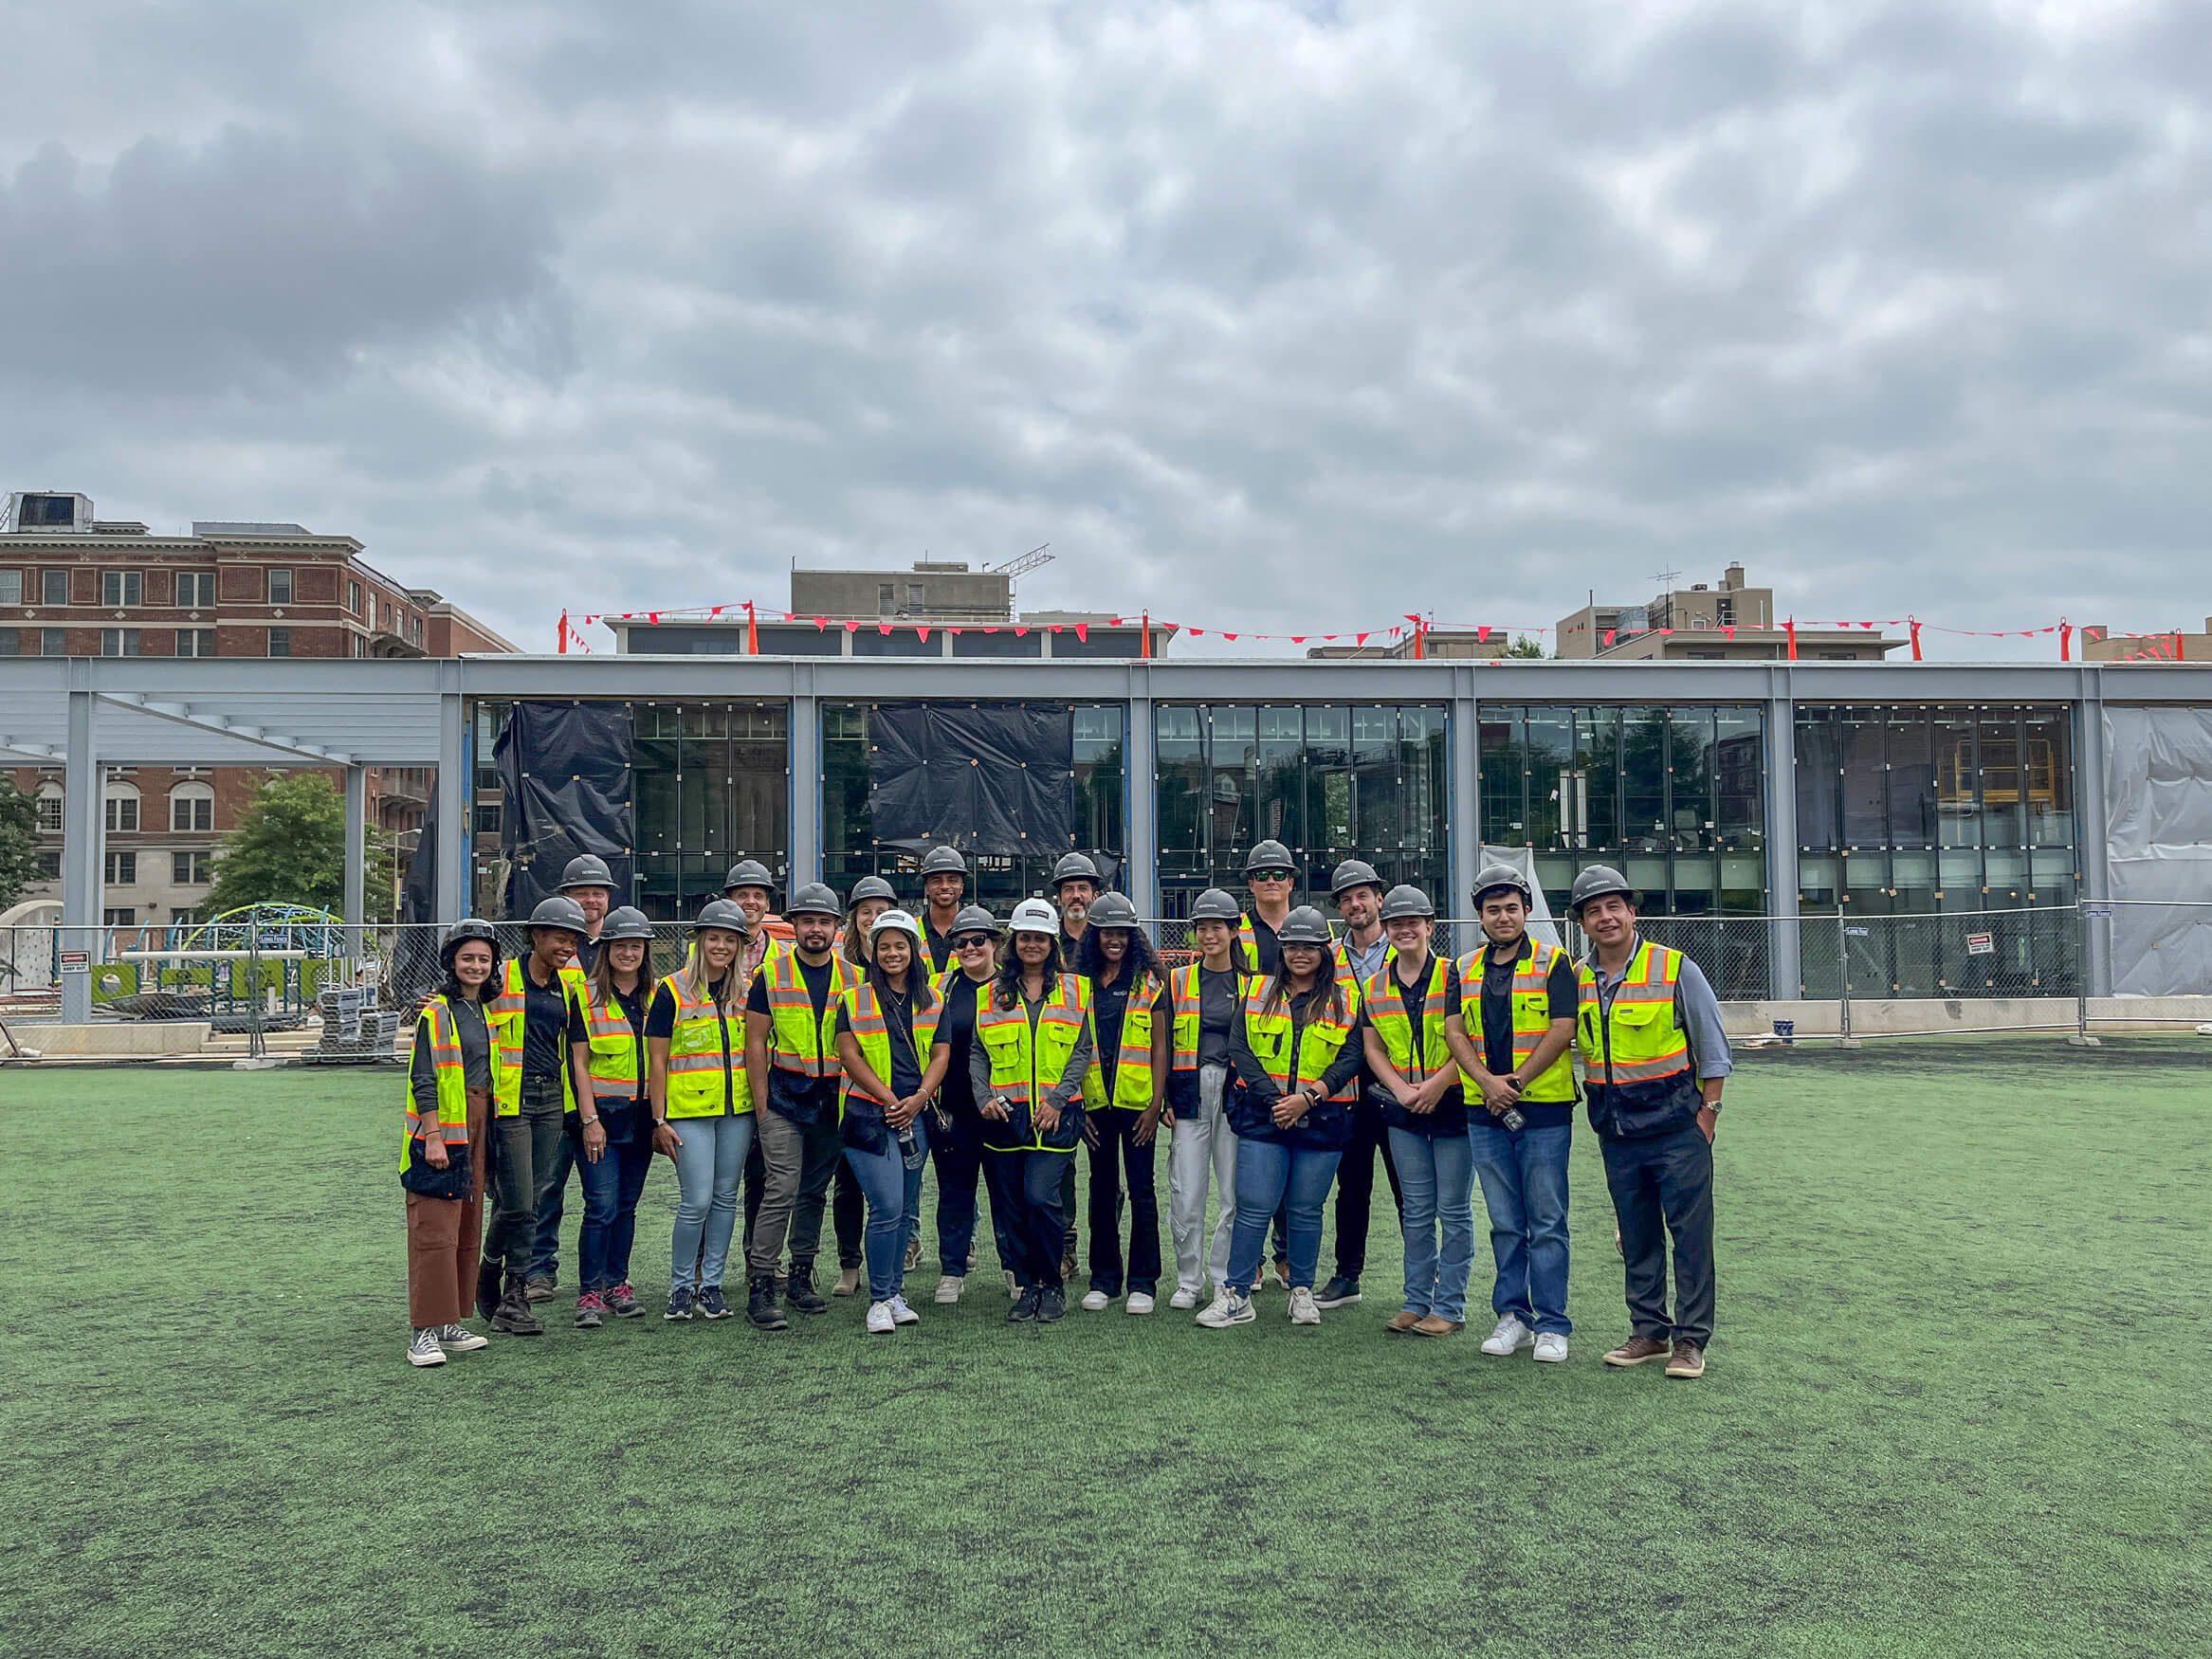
(1014, 569)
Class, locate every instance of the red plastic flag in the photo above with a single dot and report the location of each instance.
(2065, 642)
(1915, 627)
(1082, 631)
(564, 634)
(922, 631)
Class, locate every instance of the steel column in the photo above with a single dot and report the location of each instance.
(1785, 973)
(357, 855)
(2091, 821)
(1464, 820)
(805, 752)
(1140, 795)
(454, 795)
(81, 837)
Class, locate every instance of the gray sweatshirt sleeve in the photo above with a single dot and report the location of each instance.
(979, 1071)
(1070, 1088)
(1699, 1012)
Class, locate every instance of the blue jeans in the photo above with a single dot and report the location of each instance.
(612, 1187)
(1524, 1175)
(1297, 1179)
(895, 1194)
(707, 1166)
(1438, 1173)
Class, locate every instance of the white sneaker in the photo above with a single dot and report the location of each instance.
(1509, 1338)
(1097, 1302)
(1141, 1303)
(1182, 1300)
(1232, 1307)
(460, 1339)
(1551, 1348)
(882, 1322)
(949, 1289)
(1304, 1309)
(901, 1313)
(424, 1350)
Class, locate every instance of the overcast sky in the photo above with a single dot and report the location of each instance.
(1264, 315)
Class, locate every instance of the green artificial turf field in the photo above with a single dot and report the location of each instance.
(1957, 1405)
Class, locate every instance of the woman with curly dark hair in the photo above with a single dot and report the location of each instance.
(1124, 1093)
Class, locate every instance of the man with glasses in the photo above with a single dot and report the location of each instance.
(1272, 880)
(959, 1150)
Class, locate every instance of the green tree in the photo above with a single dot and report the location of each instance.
(1523, 646)
(289, 847)
(19, 841)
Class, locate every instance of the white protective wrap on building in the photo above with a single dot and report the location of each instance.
(2158, 794)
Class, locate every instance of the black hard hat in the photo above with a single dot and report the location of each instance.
(871, 888)
(749, 872)
(1354, 872)
(1595, 882)
(1076, 866)
(1270, 855)
(816, 897)
(625, 921)
(587, 870)
(1502, 877)
(1216, 905)
(1113, 910)
(942, 861)
(974, 919)
(564, 913)
(1304, 926)
(722, 913)
(1406, 900)
(469, 928)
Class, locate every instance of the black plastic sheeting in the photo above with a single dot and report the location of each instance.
(988, 778)
(565, 770)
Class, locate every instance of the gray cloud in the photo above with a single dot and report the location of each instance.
(1264, 315)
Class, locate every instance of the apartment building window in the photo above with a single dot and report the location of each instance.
(122, 870)
(184, 918)
(280, 642)
(414, 630)
(123, 587)
(10, 586)
(54, 587)
(123, 916)
(49, 805)
(53, 642)
(50, 863)
(195, 589)
(913, 595)
(122, 810)
(352, 597)
(118, 641)
(885, 599)
(195, 642)
(10, 642)
(361, 646)
(192, 807)
(188, 869)
(279, 587)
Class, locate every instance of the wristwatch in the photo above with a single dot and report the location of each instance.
(590, 1123)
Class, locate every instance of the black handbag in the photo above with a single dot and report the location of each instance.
(427, 1180)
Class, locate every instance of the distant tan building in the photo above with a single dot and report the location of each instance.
(1734, 622)
(2100, 644)
(933, 591)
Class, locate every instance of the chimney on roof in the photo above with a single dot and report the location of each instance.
(1733, 577)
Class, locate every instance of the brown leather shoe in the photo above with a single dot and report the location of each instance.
(1400, 1323)
(1635, 1351)
(1689, 1361)
(1432, 1325)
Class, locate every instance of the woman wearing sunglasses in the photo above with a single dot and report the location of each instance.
(958, 1151)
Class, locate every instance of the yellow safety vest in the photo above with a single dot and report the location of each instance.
(706, 1047)
(1393, 1022)
(505, 1016)
(1133, 1060)
(1641, 1042)
(1024, 1069)
(864, 1012)
(1531, 1002)
(799, 1042)
(437, 1016)
(617, 1075)
(1269, 1035)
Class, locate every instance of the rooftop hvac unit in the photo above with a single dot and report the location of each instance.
(45, 510)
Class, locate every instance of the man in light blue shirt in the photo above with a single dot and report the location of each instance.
(1361, 948)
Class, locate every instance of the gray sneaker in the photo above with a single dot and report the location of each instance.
(460, 1339)
(424, 1350)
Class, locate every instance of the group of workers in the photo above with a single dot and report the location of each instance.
(862, 1041)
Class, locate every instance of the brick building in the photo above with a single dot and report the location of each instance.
(73, 584)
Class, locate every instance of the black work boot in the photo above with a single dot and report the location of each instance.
(487, 1289)
(760, 1309)
(514, 1315)
(800, 1292)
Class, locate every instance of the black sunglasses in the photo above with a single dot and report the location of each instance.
(968, 941)
(1272, 876)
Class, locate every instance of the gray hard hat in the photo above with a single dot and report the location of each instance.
(564, 913)
(974, 919)
(1113, 910)
(942, 861)
(625, 921)
(818, 897)
(871, 887)
(722, 913)
(1497, 876)
(587, 870)
(1354, 872)
(1304, 926)
(1076, 866)
(749, 872)
(467, 928)
(1216, 905)
(1406, 900)
(1270, 855)
(1595, 882)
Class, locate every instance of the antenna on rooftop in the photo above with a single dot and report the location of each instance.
(1666, 579)
(1014, 569)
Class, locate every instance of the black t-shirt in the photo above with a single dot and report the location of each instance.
(632, 1003)
(817, 980)
(546, 1026)
(938, 945)
(1264, 945)
(1109, 1006)
(1497, 1023)
(659, 1021)
(956, 1030)
(1220, 996)
(587, 955)
(906, 1067)
(802, 1099)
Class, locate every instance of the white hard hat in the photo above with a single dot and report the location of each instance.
(897, 919)
(1035, 915)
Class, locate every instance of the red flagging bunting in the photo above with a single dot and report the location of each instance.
(922, 631)
(1021, 631)
(1609, 636)
(2065, 641)
(1227, 636)
(654, 617)
(564, 634)
(1082, 631)
(852, 627)
(752, 631)
(1482, 634)
(1729, 629)
(1360, 638)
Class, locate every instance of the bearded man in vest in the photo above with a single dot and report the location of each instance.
(1653, 1059)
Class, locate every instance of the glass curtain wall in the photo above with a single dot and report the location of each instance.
(710, 784)
(1330, 781)
(851, 850)
(1910, 810)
